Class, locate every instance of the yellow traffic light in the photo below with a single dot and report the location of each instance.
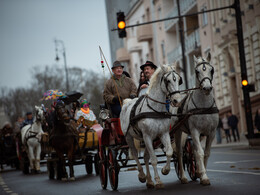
(244, 83)
(121, 25)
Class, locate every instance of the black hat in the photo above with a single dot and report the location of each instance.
(148, 63)
(28, 113)
(117, 64)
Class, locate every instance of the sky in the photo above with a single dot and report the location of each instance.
(28, 29)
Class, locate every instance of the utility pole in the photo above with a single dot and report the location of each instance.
(180, 22)
(64, 57)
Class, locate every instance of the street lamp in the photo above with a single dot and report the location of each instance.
(57, 43)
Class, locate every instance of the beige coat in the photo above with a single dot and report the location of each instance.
(125, 86)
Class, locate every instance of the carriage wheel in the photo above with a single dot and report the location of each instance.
(191, 163)
(51, 170)
(88, 164)
(96, 161)
(24, 163)
(113, 169)
(103, 167)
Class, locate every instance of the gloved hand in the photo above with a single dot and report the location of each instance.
(132, 96)
(116, 99)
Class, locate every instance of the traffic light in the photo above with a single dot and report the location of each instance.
(121, 24)
(248, 87)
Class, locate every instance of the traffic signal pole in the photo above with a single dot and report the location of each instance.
(247, 103)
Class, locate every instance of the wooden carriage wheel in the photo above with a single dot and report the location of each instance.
(113, 169)
(103, 167)
(190, 163)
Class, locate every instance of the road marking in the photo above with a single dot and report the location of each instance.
(230, 162)
(236, 153)
(223, 171)
(5, 186)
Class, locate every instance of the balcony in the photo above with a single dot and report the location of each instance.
(175, 54)
(144, 33)
(122, 55)
(192, 41)
(185, 6)
(133, 45)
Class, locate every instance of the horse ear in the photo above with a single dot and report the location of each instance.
(195, 59)
(164, 68)
(36, 107)
(209, 57)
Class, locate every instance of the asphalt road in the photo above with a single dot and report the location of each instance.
(231, 169)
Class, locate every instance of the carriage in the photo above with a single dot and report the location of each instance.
(114, 151)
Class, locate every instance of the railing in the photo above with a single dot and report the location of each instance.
(186, 5)
(170, 23)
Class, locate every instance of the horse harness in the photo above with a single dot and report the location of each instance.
(30, 134)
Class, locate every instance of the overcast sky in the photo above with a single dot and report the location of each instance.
(28, 29)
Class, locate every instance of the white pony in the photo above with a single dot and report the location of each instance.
(149, 119)
(31, 139)
(204, 119)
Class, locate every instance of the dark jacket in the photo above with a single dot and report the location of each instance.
(140, 84)
(220, 124)
(232, 121)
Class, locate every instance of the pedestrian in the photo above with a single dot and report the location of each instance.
(257, 120)
(148, 68)
(232, 122)
(218, 131)
(118, 88)
(226, 128)
(142, 80)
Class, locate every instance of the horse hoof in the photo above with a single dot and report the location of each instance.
(142, 178)
(64, 179)
(150, 185)
(205, 182)
(72, 178)
(165, 171)
(159, 186)
(184, 180)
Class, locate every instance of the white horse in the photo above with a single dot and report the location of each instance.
(31, 139)
(149, 120)
(203, 120)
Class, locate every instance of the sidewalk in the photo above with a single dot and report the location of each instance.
(243, 142)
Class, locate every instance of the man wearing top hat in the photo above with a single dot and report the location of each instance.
(148, 68)
(125, 86)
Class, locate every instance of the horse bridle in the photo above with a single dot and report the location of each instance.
(204, 63)
(164, 79)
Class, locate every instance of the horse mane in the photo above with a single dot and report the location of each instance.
(156, 74)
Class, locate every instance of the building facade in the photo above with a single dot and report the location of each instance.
(213, 32)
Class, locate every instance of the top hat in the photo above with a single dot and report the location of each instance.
(148, 63)
(117, 64)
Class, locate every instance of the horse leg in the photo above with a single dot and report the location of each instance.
(179, 151)
(38, 157)
(149, 147)
(130, 142)
(70, 158)
(209, 141)
(199, 155)
(149, 181)
(166, 141)
(31, 158)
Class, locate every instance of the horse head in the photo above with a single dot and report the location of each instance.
(61, 112)
(170, 83)
(204, 73)
(39, 114)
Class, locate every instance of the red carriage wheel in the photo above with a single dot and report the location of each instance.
(103, 167)
(190, 163)
(113, 169)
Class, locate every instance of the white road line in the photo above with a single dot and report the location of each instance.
(240, 161)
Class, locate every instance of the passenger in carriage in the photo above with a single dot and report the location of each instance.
(28, 120)
(86, 113)
(124, 85)
(148, 68)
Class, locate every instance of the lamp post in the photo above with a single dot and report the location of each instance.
(57, 43)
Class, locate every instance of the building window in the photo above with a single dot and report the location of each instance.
(204, 16)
